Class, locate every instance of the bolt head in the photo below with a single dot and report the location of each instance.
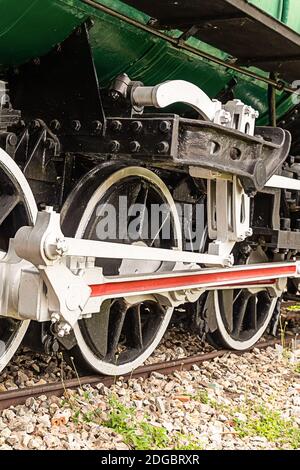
(134, 146)
(164, 126)
(55, 317)
(136, 126)
(97, 126)
(76, 125)
(115, 95)
(12, 139)
(114, 146)
(116, 126)
(55, 125)
(163, 147)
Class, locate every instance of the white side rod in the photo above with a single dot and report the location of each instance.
(101, 249)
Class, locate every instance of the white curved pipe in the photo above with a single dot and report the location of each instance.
(176, 91)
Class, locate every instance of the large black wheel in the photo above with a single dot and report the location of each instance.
(124, 333)
(240, 316)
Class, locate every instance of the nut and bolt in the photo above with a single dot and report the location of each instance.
(164, 126)
(55, 317)
(76, 125)
(162, 147)
(136, 126)
(134, 146)
(61, 246)
(115, 95)
(97, 126)
(55, 125)
(114, 146)
(64, 329)
(12, 139)
(116, 126)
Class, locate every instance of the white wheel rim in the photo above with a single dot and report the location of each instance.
(240, 345)
(111, 369)
(16, 175)
(96, 363)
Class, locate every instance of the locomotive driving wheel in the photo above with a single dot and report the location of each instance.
(240, 316)
(124, 333)
(17, 208)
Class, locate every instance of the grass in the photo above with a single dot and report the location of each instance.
(138, 435)
(183, 442)
(202, 396)
(268, 423)
(297, 368)
(142, 435)
(293, 308)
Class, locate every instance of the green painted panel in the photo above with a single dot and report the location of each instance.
(291, 14)
(272, 7)
(287, 11)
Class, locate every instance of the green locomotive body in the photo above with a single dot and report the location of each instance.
(30, 28)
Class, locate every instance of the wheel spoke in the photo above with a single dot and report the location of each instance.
(7, 204)
(135, 323)
(241, 311)
(99, 327)
(253, 313)
(115, 327)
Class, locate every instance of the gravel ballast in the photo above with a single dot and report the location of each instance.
(234, 402)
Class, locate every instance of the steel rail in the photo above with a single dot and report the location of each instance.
(19, 397)
(178, 43)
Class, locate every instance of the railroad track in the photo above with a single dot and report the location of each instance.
(19, 397)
